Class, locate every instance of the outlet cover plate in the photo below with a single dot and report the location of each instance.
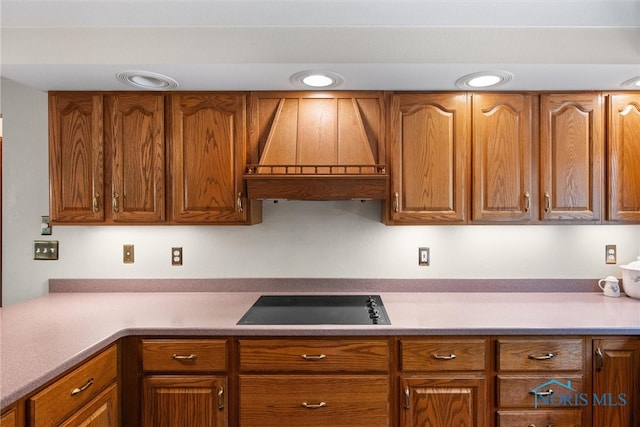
(424, 256)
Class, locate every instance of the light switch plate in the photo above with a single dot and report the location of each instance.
(127, 254)
(45, 249)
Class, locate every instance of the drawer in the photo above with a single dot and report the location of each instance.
(314, 400)
(540, 418)
(540, 355)
(74, 390)
(443, 354)
(184, 355)
(516, 391)
(314, 355)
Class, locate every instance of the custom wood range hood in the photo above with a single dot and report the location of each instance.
(317, 146)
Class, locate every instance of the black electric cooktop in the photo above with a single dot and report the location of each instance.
(317, 310)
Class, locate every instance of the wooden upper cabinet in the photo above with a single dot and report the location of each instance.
(208, 156)
(429, 157)
(571, 156)
(135, 133)
(624, 157)
(502, 146)
(76, 158)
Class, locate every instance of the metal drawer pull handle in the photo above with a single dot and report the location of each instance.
(543, 357)
(83, 388)
(541, 393)
(313, 406)
(439, 357)
(533, 425)
(313, 356)
(181, 358)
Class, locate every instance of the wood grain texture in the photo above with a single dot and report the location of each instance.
(170, 401)
(429, 156)
(514, 354)
(539, 417)
(56, 402)
(348, 400)
(371, 355)
(572, 156)
(624, 157)
(514, 391)
(208, 355)
(76, 158)
(435, 354)
(103, 411)
(135, 130)
(502, 157)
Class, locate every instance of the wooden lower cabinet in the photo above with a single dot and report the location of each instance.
(616, 382)
(188, 400)
(9, 419)
(314, 401)
(452, 400)
(103, 411)
(541, 418)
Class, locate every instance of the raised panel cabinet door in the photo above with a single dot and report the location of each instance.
(187, 400)
(208, 149)
(616, 383)
(444, 402)
(9, 419)
(502, 146)
(103, 411)
(135, 131)
(429, 140)
(571, 156)
(624, 157)
(76, 158)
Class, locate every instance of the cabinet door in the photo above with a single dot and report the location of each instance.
(135, 132)
(571, 156)
(444, 402)
(194, 401)
(616, 383)
(502, 158)
(9, 419)
(208, 157)
(624, 157)
(76, 163)
(429, 158)
(100, 412)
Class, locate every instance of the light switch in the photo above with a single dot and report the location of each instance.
(127, 254)
(45, 249)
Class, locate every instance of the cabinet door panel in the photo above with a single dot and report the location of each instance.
(135, 130)
(444, 402)
(429, 152)
(76, 158)
(624, 158)
(208, 157)
(100, 412)
(571, 156)
(194, 401)
(502, 157)
(616, 382)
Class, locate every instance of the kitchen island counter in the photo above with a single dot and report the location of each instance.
(42, 338)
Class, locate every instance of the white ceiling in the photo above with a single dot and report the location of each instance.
(374, 44)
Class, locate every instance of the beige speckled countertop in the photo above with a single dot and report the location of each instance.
(42, 338)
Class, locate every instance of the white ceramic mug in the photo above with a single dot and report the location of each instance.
(611, 288)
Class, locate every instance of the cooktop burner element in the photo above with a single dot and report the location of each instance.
(317, 310)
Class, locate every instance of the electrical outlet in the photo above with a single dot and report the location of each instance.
(127, 254)
(611, 254)
(176, 256)
(423, 256)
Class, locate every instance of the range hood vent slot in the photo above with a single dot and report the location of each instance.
(317, 146)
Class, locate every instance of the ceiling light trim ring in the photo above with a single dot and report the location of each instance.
(298, 79)
(501, 78)
(147, 80)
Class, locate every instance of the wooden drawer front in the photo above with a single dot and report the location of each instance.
(540, 355)
(443, 355)
(332, 400)
(75, 389)
(540, 418)
(184, 355)
(516, 391)
(314, 355)
(100, 412)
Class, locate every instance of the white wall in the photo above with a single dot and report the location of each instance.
(296, 239)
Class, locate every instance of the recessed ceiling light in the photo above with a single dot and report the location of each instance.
(317, 79)
(484, 79)
(147, 80)
(633, 83)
